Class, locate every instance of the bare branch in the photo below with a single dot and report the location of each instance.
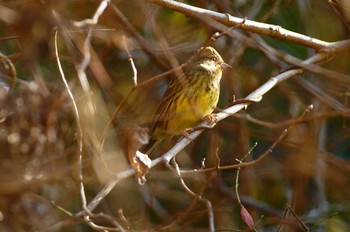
(176, 170)
(77, 115)
(131, 62)
(254, 96)
(251, 26)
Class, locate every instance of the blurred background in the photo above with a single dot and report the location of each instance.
(305, 178)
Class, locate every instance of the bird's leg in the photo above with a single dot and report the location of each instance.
(211, 120)
(186, 133)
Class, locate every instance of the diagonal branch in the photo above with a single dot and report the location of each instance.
(254, 96)
(249, 25)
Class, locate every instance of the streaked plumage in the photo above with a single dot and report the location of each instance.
(190, 97)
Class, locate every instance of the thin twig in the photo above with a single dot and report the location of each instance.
(199, 197)
(240, 161)
(298, 218)
(130, 29)
(256, 161)
(80, 67)
(77, 117)
(134, 70)
(244, 213)
(275, 125)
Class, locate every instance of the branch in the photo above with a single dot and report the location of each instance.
(176, 170)
(328, 50)
(251, 26)
(254, 96)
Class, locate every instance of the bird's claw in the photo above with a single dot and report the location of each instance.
(186, 133)
(213, 119)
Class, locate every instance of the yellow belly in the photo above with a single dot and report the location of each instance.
(193, 109)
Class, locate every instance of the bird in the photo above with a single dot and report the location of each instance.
(189, 98)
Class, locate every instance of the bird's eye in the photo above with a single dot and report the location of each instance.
(214, 59)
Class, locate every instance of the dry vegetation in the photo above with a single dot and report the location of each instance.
(79, 83)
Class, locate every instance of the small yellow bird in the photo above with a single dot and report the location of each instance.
(189, 98)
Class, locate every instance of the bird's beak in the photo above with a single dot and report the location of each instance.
(225, 66)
